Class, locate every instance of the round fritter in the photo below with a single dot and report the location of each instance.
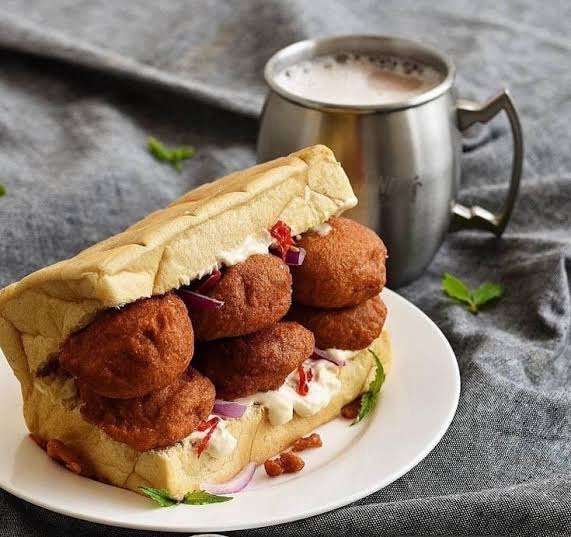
(345, 328)
(132, 351)
(342, 268)
(256, 294)
(154, 421)
(259, 362)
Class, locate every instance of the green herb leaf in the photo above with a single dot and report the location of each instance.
(371, 396)
(197, 497)
(456, 288)
(2, 190)
(486, 292)
(160, 496)
(377, 382)
(201, 497)
(174, 156)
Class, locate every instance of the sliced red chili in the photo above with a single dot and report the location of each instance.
(201, 446)
(309, 375)
(281, 232)
(302, 387)
(207, 424)
(210, 282)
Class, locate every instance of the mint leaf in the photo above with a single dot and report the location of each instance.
(174, 156)
(456, 288)
(197, 497)
(377, 382)
(371, 396)
(486, 292)
(2, 190)
(160, 496)
(201, 497)
(368, 402)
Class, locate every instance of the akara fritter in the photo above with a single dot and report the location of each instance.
(256, 294)
(156, 420)
(259, 362)
(342, 268)
(351, 328)
(134, 350)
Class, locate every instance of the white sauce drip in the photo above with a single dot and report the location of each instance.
(221, 443)
(322, 229)
(340, 354)
(252, 245)
(349, 204)
(283, 402)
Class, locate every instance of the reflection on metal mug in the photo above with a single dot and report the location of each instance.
(402, 157)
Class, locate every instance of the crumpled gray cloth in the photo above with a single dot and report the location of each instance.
(82, 85)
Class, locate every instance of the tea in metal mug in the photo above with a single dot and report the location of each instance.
(403, 159)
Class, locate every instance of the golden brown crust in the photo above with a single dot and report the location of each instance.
(345, 328)
(256, 294)
(133, 351)
(157, 420)
(259, 362)
(178, 469)
(341, 269)
(308, 442)
(166, 250)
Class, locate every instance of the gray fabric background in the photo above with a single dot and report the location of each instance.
(82, 85)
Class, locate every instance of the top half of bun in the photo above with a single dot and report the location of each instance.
(167, 249)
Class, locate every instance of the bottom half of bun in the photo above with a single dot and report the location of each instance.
(177, 469)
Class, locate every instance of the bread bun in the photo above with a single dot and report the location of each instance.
(170, 248)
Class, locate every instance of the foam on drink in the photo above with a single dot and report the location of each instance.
(358, 79)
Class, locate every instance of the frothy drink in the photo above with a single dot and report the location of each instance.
(357, 79)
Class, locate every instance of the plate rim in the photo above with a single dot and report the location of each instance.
(314, 511)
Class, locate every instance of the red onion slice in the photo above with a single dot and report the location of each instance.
(196, 301)
(238, 483)
(229, 409)
(295, 256)
(318, 354)
(210, 282)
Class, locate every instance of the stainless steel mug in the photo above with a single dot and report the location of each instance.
(403, 159)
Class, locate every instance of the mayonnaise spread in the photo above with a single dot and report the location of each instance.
(283, 402)
(322, 229)
(221, 443)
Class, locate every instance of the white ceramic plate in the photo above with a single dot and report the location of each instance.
(418, 402)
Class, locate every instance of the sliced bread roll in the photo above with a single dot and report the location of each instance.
(217, 223)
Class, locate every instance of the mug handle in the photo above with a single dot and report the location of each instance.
(468, 113)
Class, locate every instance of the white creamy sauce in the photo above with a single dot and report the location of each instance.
(251, 246)
(340, 354)
(283, 402)
(221, 443)
(349, 204)
(322, 229)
